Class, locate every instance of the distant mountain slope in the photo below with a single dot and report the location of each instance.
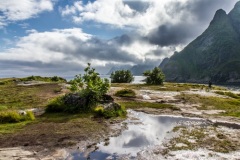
(214, 55)
(139, 69)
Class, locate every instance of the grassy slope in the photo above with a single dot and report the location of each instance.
(48, 130)
(23, 97)
(230, 105)
(67, 129)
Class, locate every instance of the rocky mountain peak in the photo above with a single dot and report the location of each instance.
(219, 15)
(215, 54)
(237, 5)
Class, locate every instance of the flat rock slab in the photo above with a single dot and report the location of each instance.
(16, 153)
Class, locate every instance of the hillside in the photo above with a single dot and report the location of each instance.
(214, 55)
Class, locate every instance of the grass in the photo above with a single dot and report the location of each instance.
(23, 97)
(229, 94)
(110, 113)
(201, 135)
(166, 87)
(139, 104)
(53, 130)
(14, 117)
(126, 93)
(231, 106)
(12, 127)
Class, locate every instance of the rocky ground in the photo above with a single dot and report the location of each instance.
(60, 135)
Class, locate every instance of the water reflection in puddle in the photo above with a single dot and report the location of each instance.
(143, 131)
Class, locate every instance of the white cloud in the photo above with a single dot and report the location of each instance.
(140, 49)
(69, 49)
(15, 10)
(119, 14)
(45, 47)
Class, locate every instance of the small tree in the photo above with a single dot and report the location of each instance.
(122, 76)
(154, 77)
(90, 86)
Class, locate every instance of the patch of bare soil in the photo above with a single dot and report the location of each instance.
(44, 138)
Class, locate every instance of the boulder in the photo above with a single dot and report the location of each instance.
(112, 106)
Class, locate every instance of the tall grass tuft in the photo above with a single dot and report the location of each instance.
(126, 93)
(15, 117)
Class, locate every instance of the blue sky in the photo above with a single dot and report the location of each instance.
(59, 37)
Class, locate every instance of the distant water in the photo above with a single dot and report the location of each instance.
(137, 79)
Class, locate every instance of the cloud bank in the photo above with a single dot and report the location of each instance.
(154, 30)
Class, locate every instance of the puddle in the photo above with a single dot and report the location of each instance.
(143, 131)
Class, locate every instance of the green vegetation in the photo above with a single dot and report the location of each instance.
(109, 113)
(53, 130)
(88, 91)
(167, 86)
(200, 60)
(14, 97)
(14, 117)
(122, 76)
(231, 106)
(139, 104)
(44, 79)
(154, 77)
(126, 93)
(90, 88)
(202, 139)
(229, 94)
(56, 105)
(54, 79)
(7, 128)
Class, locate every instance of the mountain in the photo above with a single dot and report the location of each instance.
(214, 55)
(115, 68)
(139, 69)
(136, 70)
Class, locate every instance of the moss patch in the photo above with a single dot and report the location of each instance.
(139, 104)
(165, 87)
(23, 97)
(126, 93)
(194, 138)
(231, 106)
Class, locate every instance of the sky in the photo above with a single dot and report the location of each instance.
(59, 37)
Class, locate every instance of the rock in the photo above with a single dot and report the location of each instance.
(107, 99)
(15, 153)
(75, 100)
(112, 106)
(208, 57)
(146, 97)
(21, 112)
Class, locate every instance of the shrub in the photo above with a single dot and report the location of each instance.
(154, 77)
(110, 113)
(122, 76)
(90, 86)
(44, 79)
(14, 117)
(126, 93)
(87, 90)
(56, 105)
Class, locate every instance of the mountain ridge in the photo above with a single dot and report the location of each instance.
(214, 55)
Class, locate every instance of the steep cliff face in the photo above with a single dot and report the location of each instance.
(214, 55)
